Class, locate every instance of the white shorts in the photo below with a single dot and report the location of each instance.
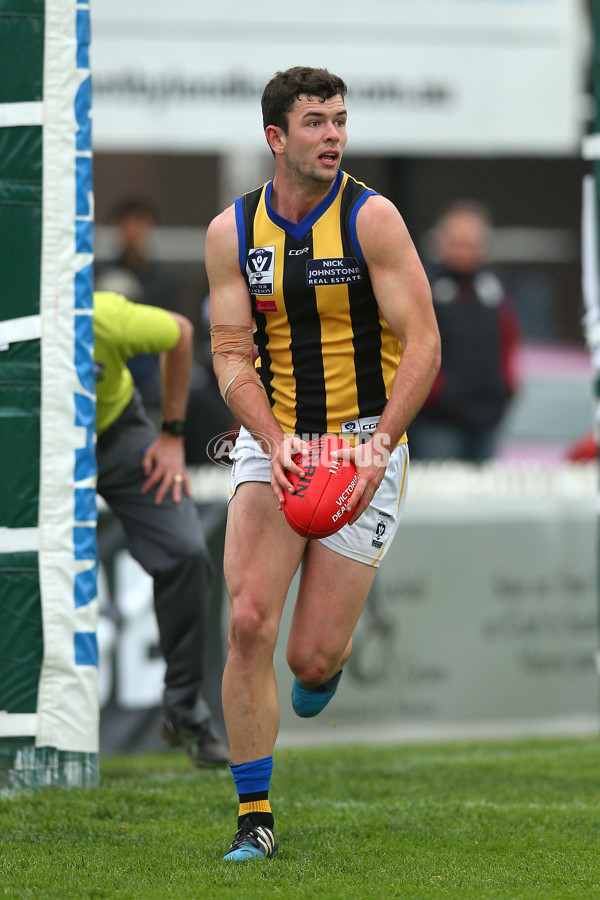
(369, 538)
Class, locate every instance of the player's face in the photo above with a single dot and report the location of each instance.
(316, 138)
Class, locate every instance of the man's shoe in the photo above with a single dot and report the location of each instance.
(199, 742)
(252, 842)
(309, 702)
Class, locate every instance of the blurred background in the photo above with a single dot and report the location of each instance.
(446, 100)
(449, 100)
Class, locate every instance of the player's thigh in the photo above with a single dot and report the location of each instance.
(262, 553)
(331, 596)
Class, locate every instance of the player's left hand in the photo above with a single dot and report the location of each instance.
(371, 462)
(164, 465)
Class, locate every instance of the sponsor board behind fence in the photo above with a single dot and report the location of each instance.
(444, 75)
(482, 619)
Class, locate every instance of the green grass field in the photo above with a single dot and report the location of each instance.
(479, 820)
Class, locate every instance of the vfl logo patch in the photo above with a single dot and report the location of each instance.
(379, 534)
(341, 270)
(260, 266)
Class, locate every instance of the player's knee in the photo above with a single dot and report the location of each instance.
(311, 671)
(251, 630)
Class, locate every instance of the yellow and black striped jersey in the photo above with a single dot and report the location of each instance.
(327, 357)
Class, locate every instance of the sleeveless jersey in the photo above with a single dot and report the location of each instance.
(327, 357)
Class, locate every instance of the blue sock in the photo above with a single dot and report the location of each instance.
(253, 780)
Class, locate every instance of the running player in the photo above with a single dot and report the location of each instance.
(324, 270)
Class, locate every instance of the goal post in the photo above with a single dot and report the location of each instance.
(590, 243)
(49, 714)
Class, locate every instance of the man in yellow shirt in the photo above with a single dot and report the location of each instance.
(142, 477)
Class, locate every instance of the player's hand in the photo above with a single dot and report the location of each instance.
(164, 465)
(282, 462)
(371, 461)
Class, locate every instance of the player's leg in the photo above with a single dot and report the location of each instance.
(331, 597)
(337, 575)
(262, 554)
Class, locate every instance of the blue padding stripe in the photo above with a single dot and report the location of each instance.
(84, 295)
(86, 587)
(84, 539)
(252, 777)
(86, 509)
(85, 411)
(83, 38)
(85, 457)
(84, 237)
(85, 464)
(83, 102)
(84, 184)
(86, 648)
(84, 352)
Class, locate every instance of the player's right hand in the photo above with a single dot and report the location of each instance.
(282, 461)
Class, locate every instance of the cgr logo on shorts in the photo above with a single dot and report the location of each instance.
(365, 425)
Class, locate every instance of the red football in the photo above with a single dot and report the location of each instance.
(317, 508)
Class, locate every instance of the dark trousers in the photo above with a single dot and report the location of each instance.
(168, 542)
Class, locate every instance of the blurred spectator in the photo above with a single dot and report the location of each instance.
(133, 272)
(480, 335)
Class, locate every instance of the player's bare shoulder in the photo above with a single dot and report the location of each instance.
(381, 230)
(221, 241)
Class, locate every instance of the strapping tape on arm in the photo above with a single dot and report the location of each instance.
(236, 345)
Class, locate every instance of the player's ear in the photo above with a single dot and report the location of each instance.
(275, 138)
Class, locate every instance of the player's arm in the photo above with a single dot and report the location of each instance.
(164, 460)
(403, 295)
(232, 346)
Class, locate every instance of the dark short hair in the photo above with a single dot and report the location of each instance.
(285, 87)
(134, 206)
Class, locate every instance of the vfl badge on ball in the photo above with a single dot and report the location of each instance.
(260, 268)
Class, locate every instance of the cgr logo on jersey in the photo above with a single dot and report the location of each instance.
(260, 266)
(339, 270)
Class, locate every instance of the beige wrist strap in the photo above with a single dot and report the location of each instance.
(236, 344)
